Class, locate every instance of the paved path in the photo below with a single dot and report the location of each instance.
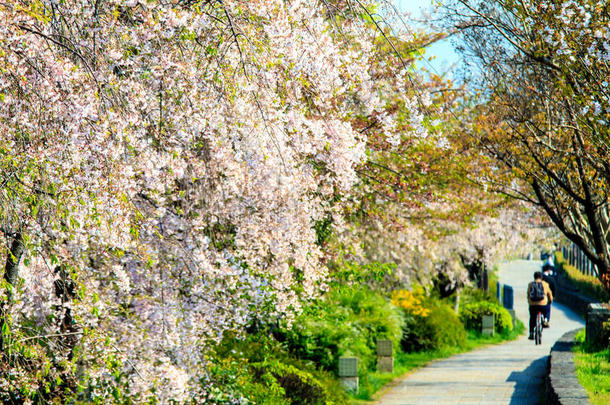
(510, 373)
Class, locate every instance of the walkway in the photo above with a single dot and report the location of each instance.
(511, 373)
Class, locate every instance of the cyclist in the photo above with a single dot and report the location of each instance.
(538, 295)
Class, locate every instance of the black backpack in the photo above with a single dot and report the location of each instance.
(537, 292)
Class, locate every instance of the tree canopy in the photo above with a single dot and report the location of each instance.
(543, 109)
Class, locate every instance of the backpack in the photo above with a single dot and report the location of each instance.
(537, 292)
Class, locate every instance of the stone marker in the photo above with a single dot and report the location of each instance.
(499, 291)
(385, 356)
(597, 314)
(348, 373)
(488, 325)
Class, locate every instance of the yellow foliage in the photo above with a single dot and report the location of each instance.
(410, 302)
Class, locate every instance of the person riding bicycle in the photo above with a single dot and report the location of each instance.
(538, 295)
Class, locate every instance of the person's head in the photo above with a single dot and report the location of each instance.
(546, 269)
(537, 275)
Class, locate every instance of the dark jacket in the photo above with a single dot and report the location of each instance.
(551, 282)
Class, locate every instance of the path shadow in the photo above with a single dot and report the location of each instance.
(529, 383)
(567, 312)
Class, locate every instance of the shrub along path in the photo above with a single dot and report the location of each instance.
(510, 373)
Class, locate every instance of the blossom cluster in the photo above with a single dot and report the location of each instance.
(445, 247)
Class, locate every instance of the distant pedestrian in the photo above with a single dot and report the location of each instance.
(549, 261)
(550, 280)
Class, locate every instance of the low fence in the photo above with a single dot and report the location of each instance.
(569, 296)
(579, 260)
(506, 297)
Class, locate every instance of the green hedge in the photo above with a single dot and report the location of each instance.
(257, 369)
(348, 322)
(471, 314)
(440, 328)
(588, 285)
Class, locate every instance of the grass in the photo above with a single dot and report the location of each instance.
(375, 383)
(475, 339)
(593, 370)
(588, 285)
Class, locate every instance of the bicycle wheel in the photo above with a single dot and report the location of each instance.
(538, 330)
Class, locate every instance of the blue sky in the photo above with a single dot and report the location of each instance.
(443, 52)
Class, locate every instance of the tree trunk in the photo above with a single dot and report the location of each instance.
(11, 268)
(11, 271)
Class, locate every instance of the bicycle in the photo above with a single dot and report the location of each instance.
(538, 329)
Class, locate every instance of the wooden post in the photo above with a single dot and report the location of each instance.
(586, 265)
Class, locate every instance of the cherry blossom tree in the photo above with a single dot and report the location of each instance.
(544, 108)
(423, 201)
(164, 165)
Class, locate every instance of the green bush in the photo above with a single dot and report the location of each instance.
(439, 328)
(233, 381)
(471, 314)
(259, 370)
(471, 294)
(348, 322)
(300, 386)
